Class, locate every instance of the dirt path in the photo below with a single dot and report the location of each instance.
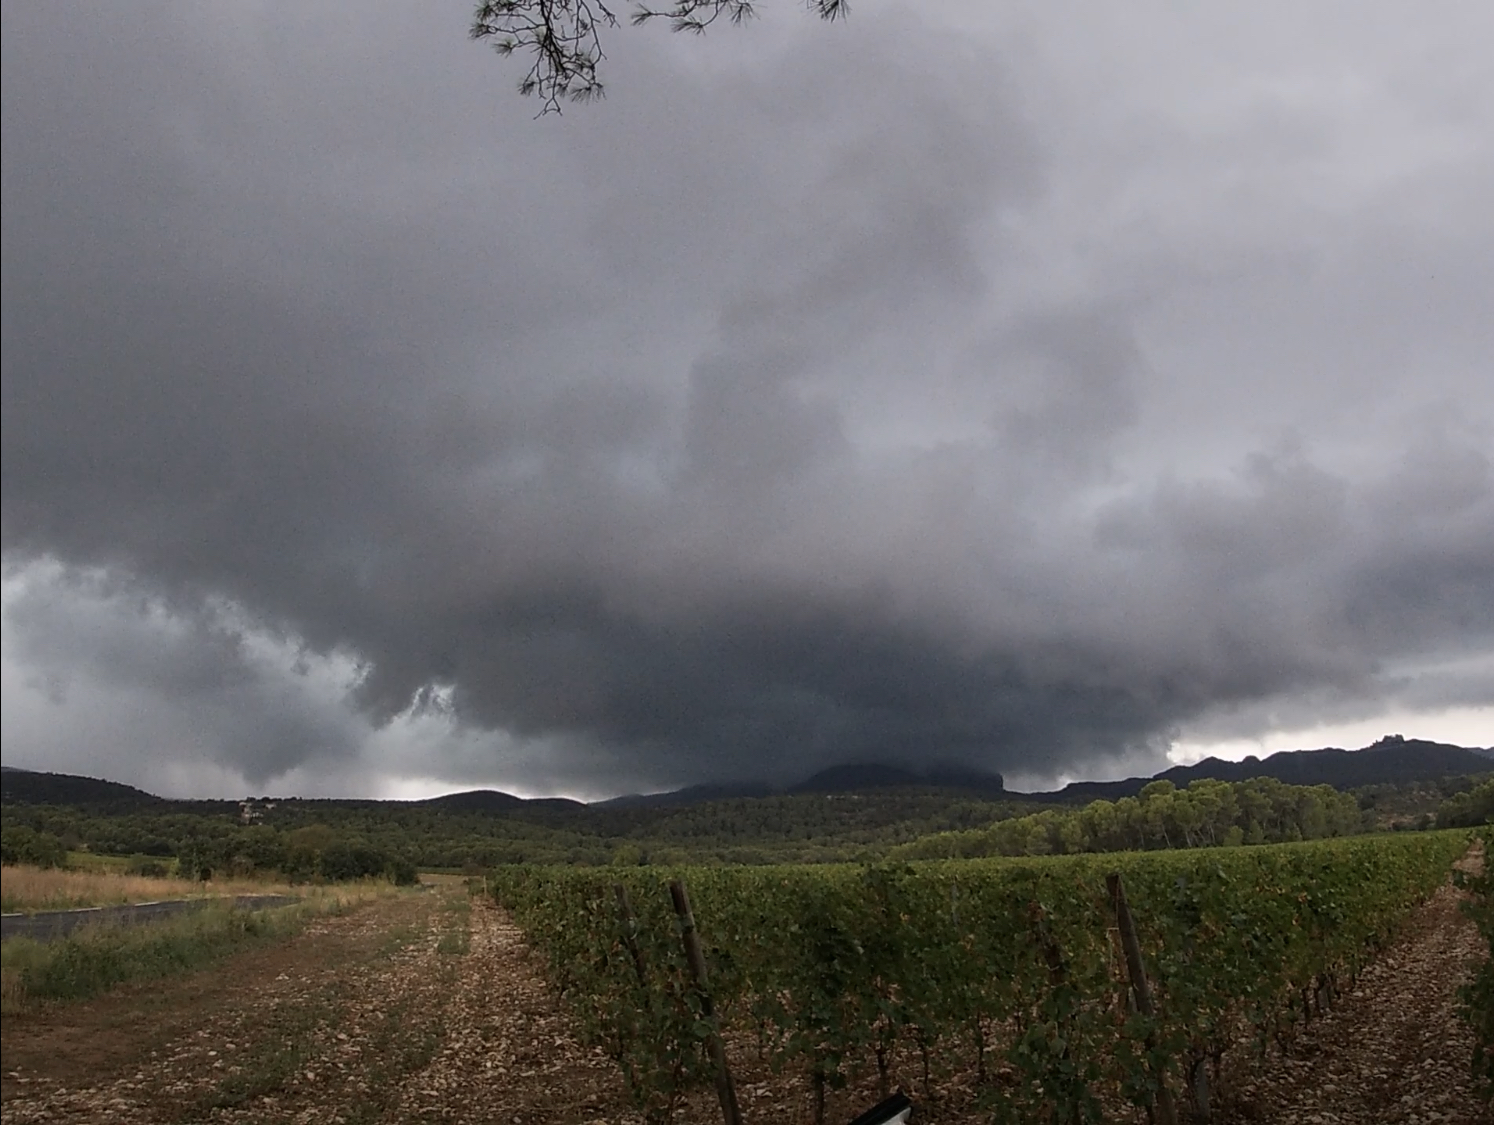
(418, 1008)
(1392, 1052)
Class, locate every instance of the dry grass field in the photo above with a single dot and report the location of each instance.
(31, 889)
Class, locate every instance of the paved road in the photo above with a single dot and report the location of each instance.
(55, 923)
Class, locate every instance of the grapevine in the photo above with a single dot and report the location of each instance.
(828, 969)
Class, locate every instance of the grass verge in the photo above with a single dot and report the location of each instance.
(95, 959)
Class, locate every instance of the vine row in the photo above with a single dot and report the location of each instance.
(1010, 968)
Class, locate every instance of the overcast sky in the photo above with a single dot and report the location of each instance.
(1043, 386)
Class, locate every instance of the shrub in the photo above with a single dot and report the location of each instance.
(1469, 809)
(343, 861)
(21, 844)
(401, 872)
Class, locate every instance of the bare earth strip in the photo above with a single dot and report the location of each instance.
(508, 1055)
(1392, 1052)
(363, 1018)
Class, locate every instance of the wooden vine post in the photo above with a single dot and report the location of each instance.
(630, 931)
(725, 1090)
(1167, 1113)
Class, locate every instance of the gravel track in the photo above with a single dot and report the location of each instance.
(1391, 1052)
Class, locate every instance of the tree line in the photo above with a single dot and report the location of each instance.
(320, 839)
(1207, 813)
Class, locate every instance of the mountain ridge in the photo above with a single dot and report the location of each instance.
(1390, 760)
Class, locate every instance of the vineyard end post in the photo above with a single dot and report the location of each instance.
(1167, 1113)
(630, 931)
(695, 958)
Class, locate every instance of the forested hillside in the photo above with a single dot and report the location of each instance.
(470, 831)
(480, 830)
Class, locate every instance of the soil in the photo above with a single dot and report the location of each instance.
(428, 1007)
(411, 1008)
(1391, 1052)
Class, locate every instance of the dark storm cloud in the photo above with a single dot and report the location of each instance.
(758, 418)
(176, 681)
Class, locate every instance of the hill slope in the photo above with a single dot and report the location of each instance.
(1392, 760)
(28, 787)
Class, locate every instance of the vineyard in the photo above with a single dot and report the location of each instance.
(1070, 987)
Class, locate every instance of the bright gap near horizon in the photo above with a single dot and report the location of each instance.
(1459, 726)
(390, 761)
